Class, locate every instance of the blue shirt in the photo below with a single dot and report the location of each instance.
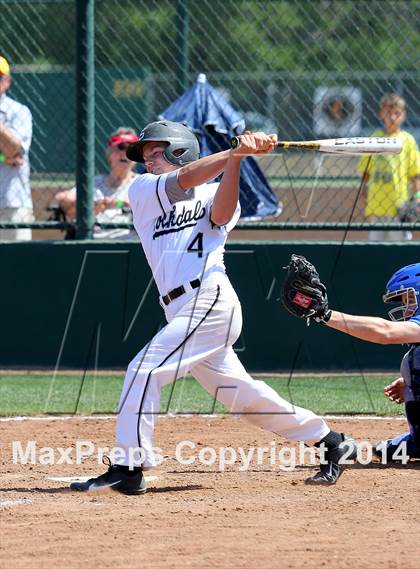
(415, 319)
(15, 190)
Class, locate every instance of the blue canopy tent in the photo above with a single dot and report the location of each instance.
(214, 121)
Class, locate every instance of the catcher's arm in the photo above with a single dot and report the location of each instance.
(305, 296)
(375, 329)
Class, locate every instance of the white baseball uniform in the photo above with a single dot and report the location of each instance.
(185, 249)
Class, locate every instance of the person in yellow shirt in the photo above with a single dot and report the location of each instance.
(386, 178)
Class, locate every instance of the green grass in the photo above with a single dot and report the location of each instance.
(67, 394)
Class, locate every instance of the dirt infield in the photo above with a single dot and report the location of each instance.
(197, 516)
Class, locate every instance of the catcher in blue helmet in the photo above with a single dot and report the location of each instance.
(305, 296)
(403, 288)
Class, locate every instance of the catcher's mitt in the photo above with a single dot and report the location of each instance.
(303, 294)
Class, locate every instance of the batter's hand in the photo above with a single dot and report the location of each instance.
(395, 391)
(254, 144)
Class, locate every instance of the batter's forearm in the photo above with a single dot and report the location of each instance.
(226, 198)
(9, 145)
(202, 170)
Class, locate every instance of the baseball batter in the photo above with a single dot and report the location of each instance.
(183, 223)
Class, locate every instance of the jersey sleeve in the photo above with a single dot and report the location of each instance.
(415, 319)
(148, 198)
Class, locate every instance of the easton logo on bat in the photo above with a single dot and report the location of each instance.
(391, 141)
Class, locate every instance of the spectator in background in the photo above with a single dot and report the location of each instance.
(15, 141)
(110, 190)
(386, 178)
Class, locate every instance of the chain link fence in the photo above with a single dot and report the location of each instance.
(303, 69)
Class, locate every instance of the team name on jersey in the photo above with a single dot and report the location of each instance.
(170, 223)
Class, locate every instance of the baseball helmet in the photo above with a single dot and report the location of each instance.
(404, 287)
(182, 143)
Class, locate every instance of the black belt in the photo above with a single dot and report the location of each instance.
(179, 291)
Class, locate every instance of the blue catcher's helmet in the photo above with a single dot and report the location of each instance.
(404, 287)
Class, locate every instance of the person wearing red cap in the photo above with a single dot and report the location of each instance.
(15, 141)
(110, 190)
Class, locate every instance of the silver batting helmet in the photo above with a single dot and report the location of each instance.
(182, 143)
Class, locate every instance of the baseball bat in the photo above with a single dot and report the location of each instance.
(351, 145)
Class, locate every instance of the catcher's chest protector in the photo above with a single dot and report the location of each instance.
(410, 371)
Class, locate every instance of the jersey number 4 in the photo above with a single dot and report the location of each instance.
(196, 245)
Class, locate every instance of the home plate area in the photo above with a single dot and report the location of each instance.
(196, 514)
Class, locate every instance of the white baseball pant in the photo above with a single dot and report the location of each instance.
(202, 326)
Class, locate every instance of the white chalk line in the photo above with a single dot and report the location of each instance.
(172, 416)
(24, 501)
(56, 418)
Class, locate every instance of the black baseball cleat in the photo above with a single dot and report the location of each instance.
(117, 478)
(330, 472)
(332, 468)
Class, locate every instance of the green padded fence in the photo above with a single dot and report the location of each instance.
(76, 303)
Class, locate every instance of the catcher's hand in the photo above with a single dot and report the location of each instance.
(395, 391)
(303, 294)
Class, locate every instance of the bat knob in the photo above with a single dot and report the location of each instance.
(235, 142)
